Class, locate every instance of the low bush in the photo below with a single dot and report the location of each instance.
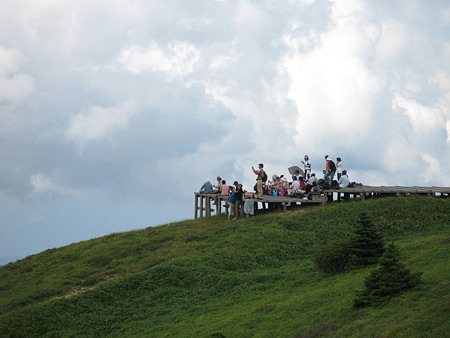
(333, 257)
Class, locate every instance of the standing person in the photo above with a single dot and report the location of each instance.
(239, 199)
(260, 174)
(231, 204)
(338, 168)
(307, 167)
(206, 187)
(330, 171)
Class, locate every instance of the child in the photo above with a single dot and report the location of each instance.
(231, 203)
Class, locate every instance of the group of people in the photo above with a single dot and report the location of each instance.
(234, 192)
(307, 183)
(305, 186)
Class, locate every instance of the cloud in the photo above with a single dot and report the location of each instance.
(15, 85)
(109, 104)
(424, 119)
(48, 186)
(178, 59)
(98, 122)
(332, 84)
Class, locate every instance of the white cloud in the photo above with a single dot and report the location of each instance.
(348, 8)
(394, 41)
(332, 84)
(98, 122)
(48, 186)
(432, 168)
(15, 86)
(424, 119)
(177, 59)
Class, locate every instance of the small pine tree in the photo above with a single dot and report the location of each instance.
(390, 279)
(367, 245)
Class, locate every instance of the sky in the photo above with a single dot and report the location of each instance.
(113, 112)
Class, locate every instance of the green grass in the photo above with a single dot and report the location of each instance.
(250, 277)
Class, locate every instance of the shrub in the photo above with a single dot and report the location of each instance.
(391, 279)
(333, 257)
(367, 245)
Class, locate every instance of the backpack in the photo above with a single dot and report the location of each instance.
(332, 166)
(264, 178)
(335, 185)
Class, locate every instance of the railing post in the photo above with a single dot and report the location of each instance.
(201, 206)
(208, 206)
(196, 205)
(218, 205)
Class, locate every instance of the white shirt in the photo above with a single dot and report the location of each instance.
(339, 167)
(296, 185)
(312, 179)
(307, 166)
(344, 181)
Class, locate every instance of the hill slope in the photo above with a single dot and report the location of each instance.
(250, 277)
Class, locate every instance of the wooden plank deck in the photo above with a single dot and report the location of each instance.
(203, 207)
(373, 191)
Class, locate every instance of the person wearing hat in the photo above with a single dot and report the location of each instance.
(259, 179)
(218, 187)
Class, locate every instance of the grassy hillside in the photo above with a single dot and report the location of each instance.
(215, 277)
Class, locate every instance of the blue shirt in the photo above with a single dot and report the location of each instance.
(232, 198)
(207, 187)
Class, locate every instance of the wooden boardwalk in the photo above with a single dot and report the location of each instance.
(209, 204)
(366, 191)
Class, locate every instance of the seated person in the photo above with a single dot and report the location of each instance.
(206, 187)
(296, 187)
(297, 174)
(312, 179)
(224, 188)
(276, 183)
(344, 180)
(302, 184)
(315, 191)
(295, 183)
(217, 188)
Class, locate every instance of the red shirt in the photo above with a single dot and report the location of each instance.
(302, 185)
